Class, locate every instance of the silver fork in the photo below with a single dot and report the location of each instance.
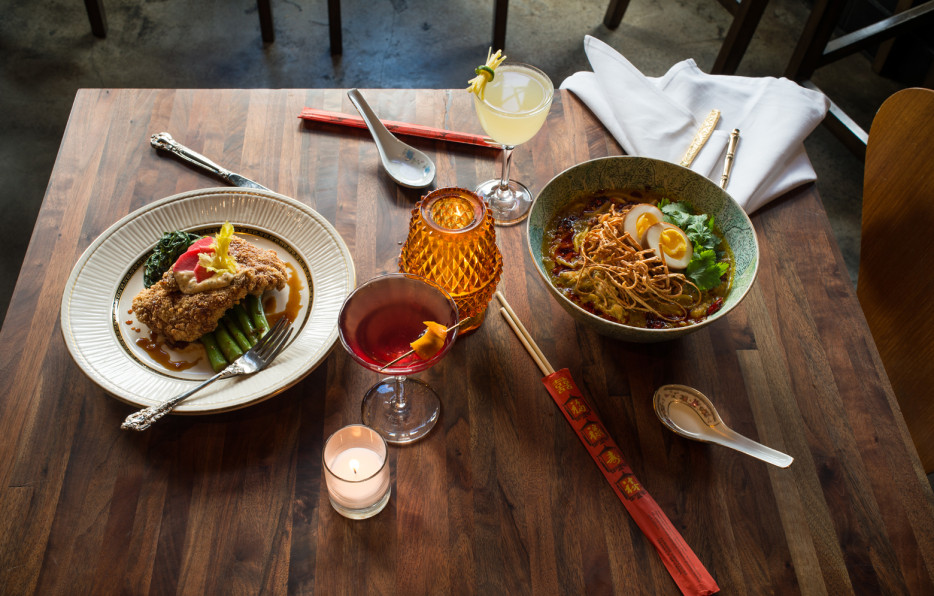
(255, 359)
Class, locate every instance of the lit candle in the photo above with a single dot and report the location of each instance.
(356, 471)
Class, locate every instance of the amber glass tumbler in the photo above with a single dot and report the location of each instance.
(452, 242)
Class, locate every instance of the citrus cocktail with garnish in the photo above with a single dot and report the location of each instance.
(515, 104)
(386, 318)
(512, 102)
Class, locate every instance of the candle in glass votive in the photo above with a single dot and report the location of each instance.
(356, 470)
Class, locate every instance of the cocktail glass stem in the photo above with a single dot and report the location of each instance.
(400, 408)
(398, 400)
(503, 199)
(507, 161)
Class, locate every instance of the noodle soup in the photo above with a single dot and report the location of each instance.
(599, 253)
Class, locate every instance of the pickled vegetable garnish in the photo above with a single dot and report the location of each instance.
(485, 72)
(220, 261)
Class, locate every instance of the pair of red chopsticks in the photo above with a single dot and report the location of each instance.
(402, 128)
(683, 565)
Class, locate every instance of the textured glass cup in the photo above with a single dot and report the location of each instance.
(452, 242)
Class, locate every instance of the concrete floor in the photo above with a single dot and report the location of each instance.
(49, 53)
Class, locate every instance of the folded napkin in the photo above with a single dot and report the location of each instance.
(658, 117)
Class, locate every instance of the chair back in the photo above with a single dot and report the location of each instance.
(896, 271)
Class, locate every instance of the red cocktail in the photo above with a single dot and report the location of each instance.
(378, 322)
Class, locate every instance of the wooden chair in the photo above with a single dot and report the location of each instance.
(98, 19)
(896, 270)
(815, 49)
(746, 16)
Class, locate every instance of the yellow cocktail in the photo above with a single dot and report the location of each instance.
(515, 104)
(513, 108)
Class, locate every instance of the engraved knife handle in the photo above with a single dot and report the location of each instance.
(164, 141)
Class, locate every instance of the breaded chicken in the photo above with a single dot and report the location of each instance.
(182, 317)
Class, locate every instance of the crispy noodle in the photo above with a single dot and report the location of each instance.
(615, 275)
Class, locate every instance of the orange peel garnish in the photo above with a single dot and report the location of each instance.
(431, 342)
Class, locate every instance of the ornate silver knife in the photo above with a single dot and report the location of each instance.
(164, 141)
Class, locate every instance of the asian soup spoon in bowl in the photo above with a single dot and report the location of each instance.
(689, 413)
(405, 164)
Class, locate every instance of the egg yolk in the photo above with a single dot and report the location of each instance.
(672, 243)
(644, 222)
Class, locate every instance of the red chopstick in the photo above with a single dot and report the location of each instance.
(402, 128)
(683, 565)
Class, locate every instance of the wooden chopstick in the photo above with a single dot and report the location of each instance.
(524, 336)
(530, 348)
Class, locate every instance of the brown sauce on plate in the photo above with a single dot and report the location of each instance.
(292, 305)
(156, 351)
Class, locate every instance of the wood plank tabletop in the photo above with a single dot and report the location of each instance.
(501, 497)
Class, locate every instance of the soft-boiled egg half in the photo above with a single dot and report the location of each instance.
(639, 219)
(671, 243)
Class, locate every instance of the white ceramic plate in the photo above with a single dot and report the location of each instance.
(102, 334)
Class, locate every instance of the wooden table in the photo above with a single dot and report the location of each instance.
(501, 497)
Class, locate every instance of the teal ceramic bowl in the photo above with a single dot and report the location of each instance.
(623, 172)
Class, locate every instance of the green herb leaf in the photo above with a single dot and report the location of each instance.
(699, 228)
(677, 212)
(704, 270)
(164, 254)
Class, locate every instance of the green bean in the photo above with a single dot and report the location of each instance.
(245, 323)
(255, 308)
(213, 351)
(227, 344)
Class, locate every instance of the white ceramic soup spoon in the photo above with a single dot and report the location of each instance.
(689, 413)
(405, 164)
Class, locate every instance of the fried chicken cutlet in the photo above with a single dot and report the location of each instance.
(181, 317)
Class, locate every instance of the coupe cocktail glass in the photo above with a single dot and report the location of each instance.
(514, 107)
(377, 323)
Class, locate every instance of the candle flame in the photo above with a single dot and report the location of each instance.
(354, 466)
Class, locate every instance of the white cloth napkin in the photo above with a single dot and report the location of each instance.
(658, 117)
